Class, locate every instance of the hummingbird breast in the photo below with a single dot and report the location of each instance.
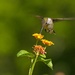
(49, 23)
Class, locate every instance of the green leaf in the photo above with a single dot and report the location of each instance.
(42, 55)
(25, 53)
(48, 62)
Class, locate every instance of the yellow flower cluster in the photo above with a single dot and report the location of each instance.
(38, 36)
(39, 48)
(44, 41)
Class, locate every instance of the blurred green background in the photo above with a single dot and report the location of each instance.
(18, 23)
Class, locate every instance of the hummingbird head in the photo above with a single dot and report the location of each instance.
(48, 21)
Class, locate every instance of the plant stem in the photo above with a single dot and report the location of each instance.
(37, 42)
(33, 64)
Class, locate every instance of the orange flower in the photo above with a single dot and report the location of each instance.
(39, 48)
(38, 36)
(46, 42)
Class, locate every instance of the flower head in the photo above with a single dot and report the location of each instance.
(39, 48)
(46, 42)
(38, 36)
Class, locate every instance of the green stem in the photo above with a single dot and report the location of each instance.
(33, 64)
(37, 42)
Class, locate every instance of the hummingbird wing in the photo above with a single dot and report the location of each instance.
(40, 17)
(62, 19)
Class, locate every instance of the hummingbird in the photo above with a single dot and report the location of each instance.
(48, 23)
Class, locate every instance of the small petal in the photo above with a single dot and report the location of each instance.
(46, 42)
(38, 36)
(39, 48)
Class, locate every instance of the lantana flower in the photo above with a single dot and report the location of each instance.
(46, 42)
(38, 36)
(39, 48)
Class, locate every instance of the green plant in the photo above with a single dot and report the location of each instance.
(39, 52)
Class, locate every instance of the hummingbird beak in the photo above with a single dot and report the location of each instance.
(40, 17)
(41, 29)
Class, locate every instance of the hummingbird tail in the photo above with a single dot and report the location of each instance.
(54, 32)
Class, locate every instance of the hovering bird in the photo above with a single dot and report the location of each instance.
(48, 23)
